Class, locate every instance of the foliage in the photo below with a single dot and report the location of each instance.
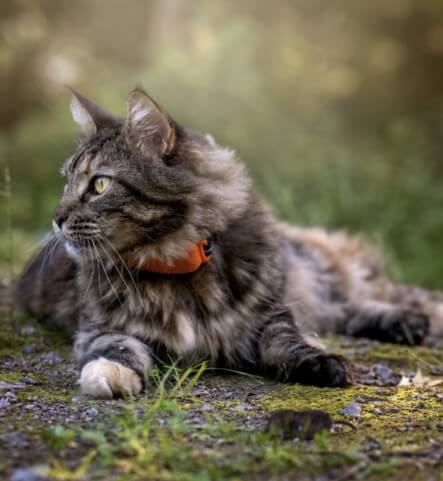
(334, 108)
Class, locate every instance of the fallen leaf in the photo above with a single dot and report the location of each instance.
(419, 380)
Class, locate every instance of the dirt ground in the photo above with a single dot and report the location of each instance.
(189, 426)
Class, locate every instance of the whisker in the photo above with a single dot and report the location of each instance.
(37, 250)
(106, 273)
(89, 253)
(131, 277)
(114, 265)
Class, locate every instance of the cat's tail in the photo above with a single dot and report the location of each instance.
(47, 290)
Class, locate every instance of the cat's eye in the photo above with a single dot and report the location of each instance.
(101, 184)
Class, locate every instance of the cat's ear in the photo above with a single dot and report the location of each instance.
(90, 116)
(148, 126)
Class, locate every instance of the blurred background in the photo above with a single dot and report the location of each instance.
(336, 107)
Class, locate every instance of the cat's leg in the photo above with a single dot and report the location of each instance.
(111, 364)
(286, 356)
(382, 321)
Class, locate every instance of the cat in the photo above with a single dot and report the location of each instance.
(162, 250)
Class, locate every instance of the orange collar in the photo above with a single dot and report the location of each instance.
(198, 255)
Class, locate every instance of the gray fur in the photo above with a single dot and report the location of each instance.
(267, 287)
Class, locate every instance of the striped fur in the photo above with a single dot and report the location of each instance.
(269, 289)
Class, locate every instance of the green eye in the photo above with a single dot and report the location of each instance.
(101, 184)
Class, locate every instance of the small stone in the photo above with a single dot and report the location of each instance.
(51, 358)
(241, 407)
(207, 407)
(28, 330)
(25, 474)
(4, 403)
(91, 413)
(29, 349)
(373, 444)
(436, 370)
(16, 439)
(353, 410)
(383, 392)
(418, 395)
(29, 380)
(381, 371)
(368, 399)
(7, 386)
(76, 399)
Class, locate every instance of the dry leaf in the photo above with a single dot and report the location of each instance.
(419, 380)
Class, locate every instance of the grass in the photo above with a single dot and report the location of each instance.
(153, 439)
(183, 428)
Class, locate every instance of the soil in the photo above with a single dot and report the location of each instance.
(399, 431)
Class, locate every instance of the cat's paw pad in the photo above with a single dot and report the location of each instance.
(323, 370)
(406, 327)
(106, 379)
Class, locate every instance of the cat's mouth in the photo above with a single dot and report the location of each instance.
(77, 235)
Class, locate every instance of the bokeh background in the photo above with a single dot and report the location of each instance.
(336, 107)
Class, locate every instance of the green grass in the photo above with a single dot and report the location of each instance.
(159, 443)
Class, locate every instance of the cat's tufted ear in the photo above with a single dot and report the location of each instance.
(148, 126)
(90, 116)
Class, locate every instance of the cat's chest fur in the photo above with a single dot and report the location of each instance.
(191, 321)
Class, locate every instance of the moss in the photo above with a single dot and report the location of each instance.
(10, 377)
(397, 418)
(399, 356)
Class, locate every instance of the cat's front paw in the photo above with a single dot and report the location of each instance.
(106, 379)
(323, 370)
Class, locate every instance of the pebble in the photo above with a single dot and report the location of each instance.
(368, 399)
(28, 330)
(51, 358)
(241, 407)
(91, 413)
(381, 371)
(29, 380)
(16, 439)
(7, 386)
(373, 444)
(353, 410)
(383, 392)
(29, 349)
(4, 403)
(25, 474)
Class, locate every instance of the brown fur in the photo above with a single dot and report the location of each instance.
(268, 287)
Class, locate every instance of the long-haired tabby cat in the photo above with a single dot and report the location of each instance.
(162, 249)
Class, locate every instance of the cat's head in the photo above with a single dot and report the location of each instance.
(144, 185)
